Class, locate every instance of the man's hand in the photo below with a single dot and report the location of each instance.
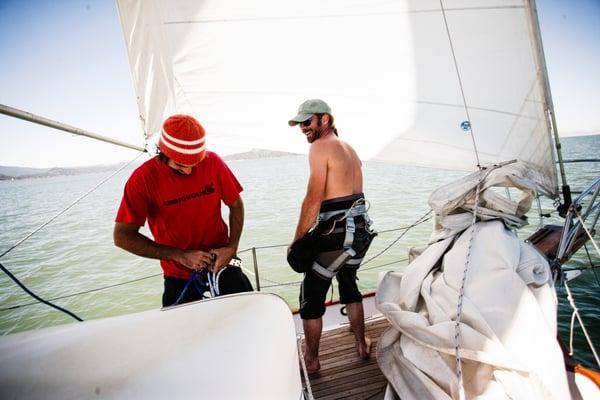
(128, 237)
(223, 256)
(194, 259)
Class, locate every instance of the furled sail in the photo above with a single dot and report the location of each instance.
(475, 310)
(403, 78)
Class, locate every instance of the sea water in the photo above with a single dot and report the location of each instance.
(73, 259)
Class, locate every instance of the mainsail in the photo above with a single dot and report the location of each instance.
(448, 84)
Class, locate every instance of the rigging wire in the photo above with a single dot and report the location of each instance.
(419, 221)
(274, 283)
(68, 207)
(383, 265)
(286, 245)
(593, 267)
(82, 293)
(262, 247)
(460, 83)
(587, 231)
(296, 283)
(17, 281)
(581, 324)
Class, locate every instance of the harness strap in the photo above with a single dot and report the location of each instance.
(354, 261)
(213, 281)
(359, 208)
(335, 266)
(350, 229)
(322, 271)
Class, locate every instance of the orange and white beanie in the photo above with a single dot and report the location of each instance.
(182, 140)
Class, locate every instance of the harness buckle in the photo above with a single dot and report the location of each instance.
(350, 226)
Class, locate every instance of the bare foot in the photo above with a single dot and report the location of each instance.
(364, 351)
(312, 365)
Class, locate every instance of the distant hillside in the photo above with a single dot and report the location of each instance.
(16, 172)
(10, 173)
(257, 153)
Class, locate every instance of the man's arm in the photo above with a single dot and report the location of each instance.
(315, 190)
(128, 237)
(236, 224)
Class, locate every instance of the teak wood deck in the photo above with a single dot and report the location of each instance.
(343, 374)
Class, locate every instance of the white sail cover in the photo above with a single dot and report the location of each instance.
(508, 345)
(507, 329)
(233, 347)
(400, 78)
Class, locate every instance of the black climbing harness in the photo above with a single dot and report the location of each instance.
(351, 244)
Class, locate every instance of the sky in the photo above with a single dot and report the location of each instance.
(66, 60)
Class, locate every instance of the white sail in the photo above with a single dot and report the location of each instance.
(400, 77)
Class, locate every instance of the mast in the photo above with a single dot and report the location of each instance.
(541, 60)
(27, 116)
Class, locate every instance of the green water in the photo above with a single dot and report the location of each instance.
(74, 255)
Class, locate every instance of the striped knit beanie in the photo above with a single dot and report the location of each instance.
(182, 140)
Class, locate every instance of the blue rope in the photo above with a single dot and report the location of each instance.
(35, 296)
(199, 285)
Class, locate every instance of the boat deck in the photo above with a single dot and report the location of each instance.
(547, 240)
(343, 374)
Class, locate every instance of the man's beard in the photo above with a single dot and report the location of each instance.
(316, 132)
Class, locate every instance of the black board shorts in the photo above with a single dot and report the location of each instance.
(313, 292)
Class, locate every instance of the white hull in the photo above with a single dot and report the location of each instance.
(334, 318)
(238, 346)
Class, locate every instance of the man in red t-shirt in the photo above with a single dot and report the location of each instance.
(179, 193)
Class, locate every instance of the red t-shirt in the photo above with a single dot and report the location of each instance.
(183, 211)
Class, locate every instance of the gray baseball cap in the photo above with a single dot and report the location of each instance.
(308, 109)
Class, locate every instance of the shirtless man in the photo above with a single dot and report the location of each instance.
(335, 200)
